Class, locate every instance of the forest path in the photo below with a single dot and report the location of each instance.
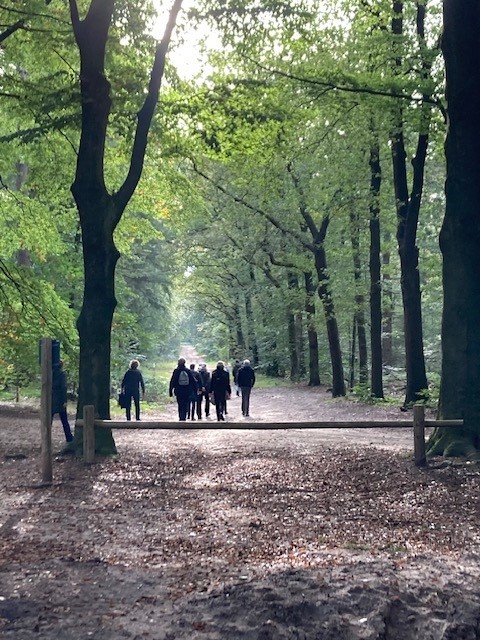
(294, 404)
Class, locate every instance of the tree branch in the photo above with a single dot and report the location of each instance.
(254, 209)
(145, 115)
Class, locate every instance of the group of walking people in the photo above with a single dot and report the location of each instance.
(191, 388)
(195, 390)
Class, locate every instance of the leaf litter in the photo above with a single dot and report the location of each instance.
(225, 534)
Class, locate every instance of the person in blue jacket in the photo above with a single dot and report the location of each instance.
(131, 384)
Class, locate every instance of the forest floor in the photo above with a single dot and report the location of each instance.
(239, 535)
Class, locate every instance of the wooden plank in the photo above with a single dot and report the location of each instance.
(267, 426)
(152, 424)
(46, 410)
(444, 423)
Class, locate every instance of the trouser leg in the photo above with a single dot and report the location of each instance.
(218, 407)
(207, 404)
(182, 408)
(246, 399)
(136, 401)
(66, 425)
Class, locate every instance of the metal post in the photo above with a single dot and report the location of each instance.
(89, 434)
(419, 435)
(46, 410)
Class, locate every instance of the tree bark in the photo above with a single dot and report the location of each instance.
(387, 306)
(252, 334)
(317, 247)
(292, 282)
(359, 313)
(240, 346)
(460, 234)
(353, 344)
(376, 382)
(99, 211)
(313, 368)
(325, 295)
(408, 207)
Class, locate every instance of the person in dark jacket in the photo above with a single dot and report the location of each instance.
(246, 380)
(131, 384)
(220, 389)
(59, 398)
(194, 396)
(205, 390)
(182, 384)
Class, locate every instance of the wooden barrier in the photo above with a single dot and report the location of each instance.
(419, 425)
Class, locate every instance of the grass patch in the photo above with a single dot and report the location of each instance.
(267, 382)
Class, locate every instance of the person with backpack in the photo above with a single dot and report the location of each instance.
(183, 385)
(195, 396)
(246, 380)
(220, 389)
(204, 388)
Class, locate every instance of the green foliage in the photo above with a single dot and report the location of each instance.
(281, 125)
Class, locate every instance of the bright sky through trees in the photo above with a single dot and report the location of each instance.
(189, 41)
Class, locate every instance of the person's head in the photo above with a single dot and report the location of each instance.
(220, 365)
(192, 367)
(181, 362)
(246, 363)
(202, 367)
(237, 361)
(60, 364)
(134, 364)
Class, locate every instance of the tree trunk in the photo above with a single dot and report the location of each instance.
(100, 212)
(460, 234)
(408, 207)
(353, 345)
(299, 333)
(324, 289)
(387, 307)
(359, 315)
(292, 328)
(239, 346)
(375, 275)
(94, 327)
(325, 295)
(252, 335)
(313, 369)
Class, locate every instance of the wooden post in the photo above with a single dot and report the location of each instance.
(89, 434)
(46, 410)
(419, 435)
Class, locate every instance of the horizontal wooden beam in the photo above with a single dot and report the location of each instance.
(267, 426)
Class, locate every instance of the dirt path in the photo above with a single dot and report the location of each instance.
(297, 404)
(239, 535)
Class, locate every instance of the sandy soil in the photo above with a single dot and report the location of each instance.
(239, 535)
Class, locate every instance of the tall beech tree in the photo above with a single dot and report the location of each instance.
(460, 234)
(408, 210)
(101, 211)
(376, 388)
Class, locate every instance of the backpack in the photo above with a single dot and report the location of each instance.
(183, 378)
